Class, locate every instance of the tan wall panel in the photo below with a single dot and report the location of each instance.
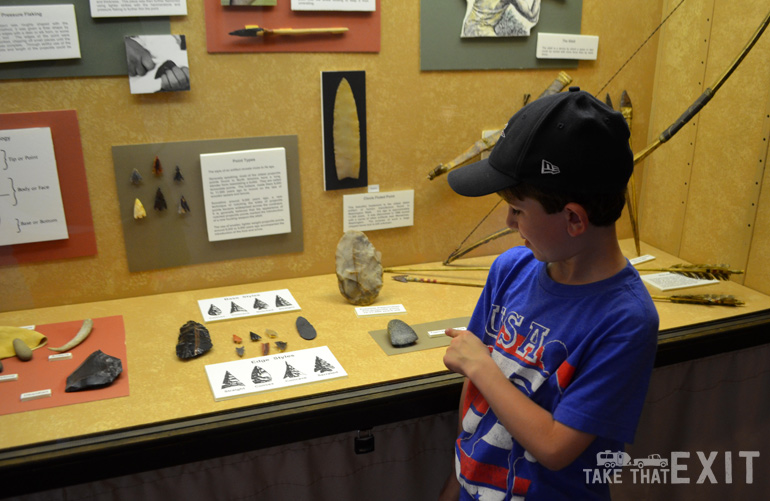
(723, 191)
(757, 270)
(679, 75)
(416, 120)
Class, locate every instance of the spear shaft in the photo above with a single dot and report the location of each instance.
(407, 278)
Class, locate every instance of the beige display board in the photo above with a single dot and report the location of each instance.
(166, 238)
(166, 389)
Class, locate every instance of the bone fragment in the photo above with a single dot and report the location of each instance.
(81, 336)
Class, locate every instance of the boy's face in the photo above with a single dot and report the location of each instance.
(545, 234)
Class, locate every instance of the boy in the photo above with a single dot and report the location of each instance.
(560, 347)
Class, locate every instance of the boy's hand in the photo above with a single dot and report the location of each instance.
(466, 353)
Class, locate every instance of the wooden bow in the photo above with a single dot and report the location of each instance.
(667, 134)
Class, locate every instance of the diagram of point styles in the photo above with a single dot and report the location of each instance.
(31, 208)
(254, 375)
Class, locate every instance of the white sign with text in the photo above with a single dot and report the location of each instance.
(246, 193)
(273, 372)
(38, 33)
(566, 46)
(378, 211)
(143, 8)
(332, 5)
(31, 208)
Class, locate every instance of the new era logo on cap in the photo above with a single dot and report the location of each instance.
(547, 167)
(585, 141)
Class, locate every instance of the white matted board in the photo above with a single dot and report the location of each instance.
(245, 377)
(673, 281)
(247, 305)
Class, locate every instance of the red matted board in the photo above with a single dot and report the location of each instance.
(65, 133)
(39, 373)
(363, 33)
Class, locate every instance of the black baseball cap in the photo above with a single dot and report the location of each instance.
(568, 142)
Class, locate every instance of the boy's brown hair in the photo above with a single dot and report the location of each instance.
(602, 209)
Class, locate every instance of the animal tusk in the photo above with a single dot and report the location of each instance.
(81, 336)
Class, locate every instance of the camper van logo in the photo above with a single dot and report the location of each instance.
(679, 468)
(610, 459)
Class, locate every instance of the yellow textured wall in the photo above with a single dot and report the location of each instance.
(415, 121)
(702, 198)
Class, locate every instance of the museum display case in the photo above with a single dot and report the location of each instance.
(223, 203)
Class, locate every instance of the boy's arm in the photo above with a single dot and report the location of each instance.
(553, 444)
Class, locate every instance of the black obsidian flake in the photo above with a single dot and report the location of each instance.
(97, 371)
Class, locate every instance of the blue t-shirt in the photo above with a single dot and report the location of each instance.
(582, 352)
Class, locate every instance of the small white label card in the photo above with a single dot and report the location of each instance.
(138, 8)
(246, 193)
(253, 375)
(59, 356)
(442, 332)
(247, 305)
(378, 211)
(566, 46)
(641, 259)
(34, 395)
(385, 309)
(38, 33)
(31, 208)
(345, 5)
(671, 281)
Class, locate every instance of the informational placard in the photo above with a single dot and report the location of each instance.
(245, 377)
(250, 3)
(245, 193)
(38, 33)
(332, 5)
(566, 46)
(377, 211)
(247, 305)
(31, 208)
(135, 8)
(672, 281)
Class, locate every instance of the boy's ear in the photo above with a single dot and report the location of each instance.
(577, 219)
